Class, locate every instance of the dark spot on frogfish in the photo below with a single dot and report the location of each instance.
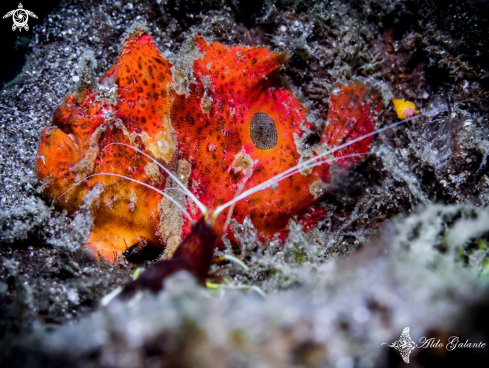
(263, 131)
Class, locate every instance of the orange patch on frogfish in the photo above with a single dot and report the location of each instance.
(223, 127)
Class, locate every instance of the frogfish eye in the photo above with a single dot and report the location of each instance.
(263, 131)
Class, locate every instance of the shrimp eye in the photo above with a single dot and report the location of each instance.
(263, 131)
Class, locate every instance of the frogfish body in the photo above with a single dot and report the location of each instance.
(218, 117)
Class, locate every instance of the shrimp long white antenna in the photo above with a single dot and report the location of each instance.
(314, 161)
(175, 202)
(202, 207)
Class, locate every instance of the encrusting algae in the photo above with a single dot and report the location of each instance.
(222, 127)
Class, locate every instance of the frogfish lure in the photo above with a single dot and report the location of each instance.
(194, 133)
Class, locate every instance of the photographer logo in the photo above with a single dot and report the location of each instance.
(20, 17)
(405, 345)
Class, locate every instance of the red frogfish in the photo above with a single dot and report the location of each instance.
(218, 118)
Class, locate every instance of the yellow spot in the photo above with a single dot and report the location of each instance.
(404, 109)
(137, 272)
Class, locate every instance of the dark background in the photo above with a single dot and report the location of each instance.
(13, 57)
